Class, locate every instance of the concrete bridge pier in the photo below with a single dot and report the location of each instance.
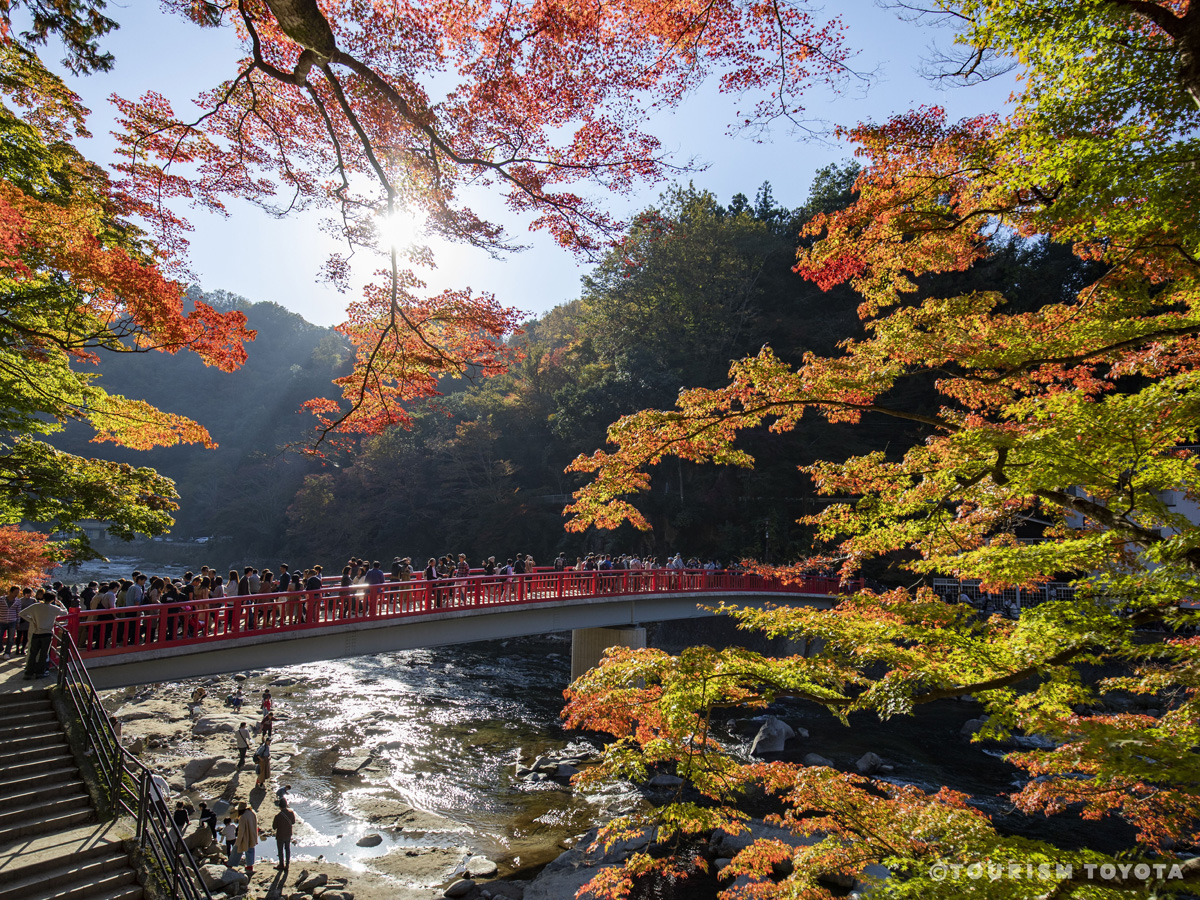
(588, 645)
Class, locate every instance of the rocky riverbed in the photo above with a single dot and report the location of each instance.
(412, 774)
(426, 774)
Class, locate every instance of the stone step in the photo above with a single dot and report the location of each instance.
(48, 824)
(26, 716)
(35, 743)
(11, 731)
(55, 873)
(43, 852)
(24, 703)
(38, 818)
(37, 775)
(117, 882)
(24, 794)
(17, 770)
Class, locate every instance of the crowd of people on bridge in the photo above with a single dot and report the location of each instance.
(145, 608)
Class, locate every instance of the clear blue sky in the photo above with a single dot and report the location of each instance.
(263, 258)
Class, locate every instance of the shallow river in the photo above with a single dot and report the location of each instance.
(445, 729)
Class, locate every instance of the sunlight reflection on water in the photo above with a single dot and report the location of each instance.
(443, 729)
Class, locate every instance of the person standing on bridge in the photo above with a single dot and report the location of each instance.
(518, 570)
(374, 580)
(430, 575)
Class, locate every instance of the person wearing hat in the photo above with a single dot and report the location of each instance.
(247, 837)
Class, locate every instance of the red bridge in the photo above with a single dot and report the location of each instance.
(167, 641)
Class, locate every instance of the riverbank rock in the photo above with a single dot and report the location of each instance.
(219, 878)
(198, 769)
(390, 813)
(870, 877)
(149, 707)
(571, 870)
(869, 763)
(815, 759)
(727, 846)
(771, 737)
(973, 725)
(349, 765)
(665, 781)
(219, 723)
(370, 840)
(1033, 742)
(308, 884)
(481, 867)
(460, 888)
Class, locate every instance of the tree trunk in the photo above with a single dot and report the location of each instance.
(304, 23)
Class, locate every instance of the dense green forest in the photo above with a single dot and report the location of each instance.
(694, 285)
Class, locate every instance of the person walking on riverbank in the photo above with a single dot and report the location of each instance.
(208, 819)
(262, 757)
(241, 739)
(247, 838)
(283, 822)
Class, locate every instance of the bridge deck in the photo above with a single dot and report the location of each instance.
(158, 642)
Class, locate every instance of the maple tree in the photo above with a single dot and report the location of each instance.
(387, 114)
(1081, 413)
(77, 279)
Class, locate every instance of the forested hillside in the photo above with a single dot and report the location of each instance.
(694, 285)
(240, 490)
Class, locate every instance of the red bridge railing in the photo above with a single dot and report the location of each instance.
(133, 629)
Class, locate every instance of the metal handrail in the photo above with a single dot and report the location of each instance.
(130, 784)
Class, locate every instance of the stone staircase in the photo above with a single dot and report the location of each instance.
(51, 845)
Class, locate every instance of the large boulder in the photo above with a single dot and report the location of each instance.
(481, 867)
(972, 725)
(219, 723)
(460, 888)
(199, 840)
(222, 768)
(870, 877)
(869, 764)
(218, 878)
(570, 871)
(815, 759)
(729, 845)
(1033, 742)
(198, 768)
(349, 765)
(771, 737)
(308, 885)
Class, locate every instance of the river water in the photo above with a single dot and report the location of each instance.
(445, 729)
